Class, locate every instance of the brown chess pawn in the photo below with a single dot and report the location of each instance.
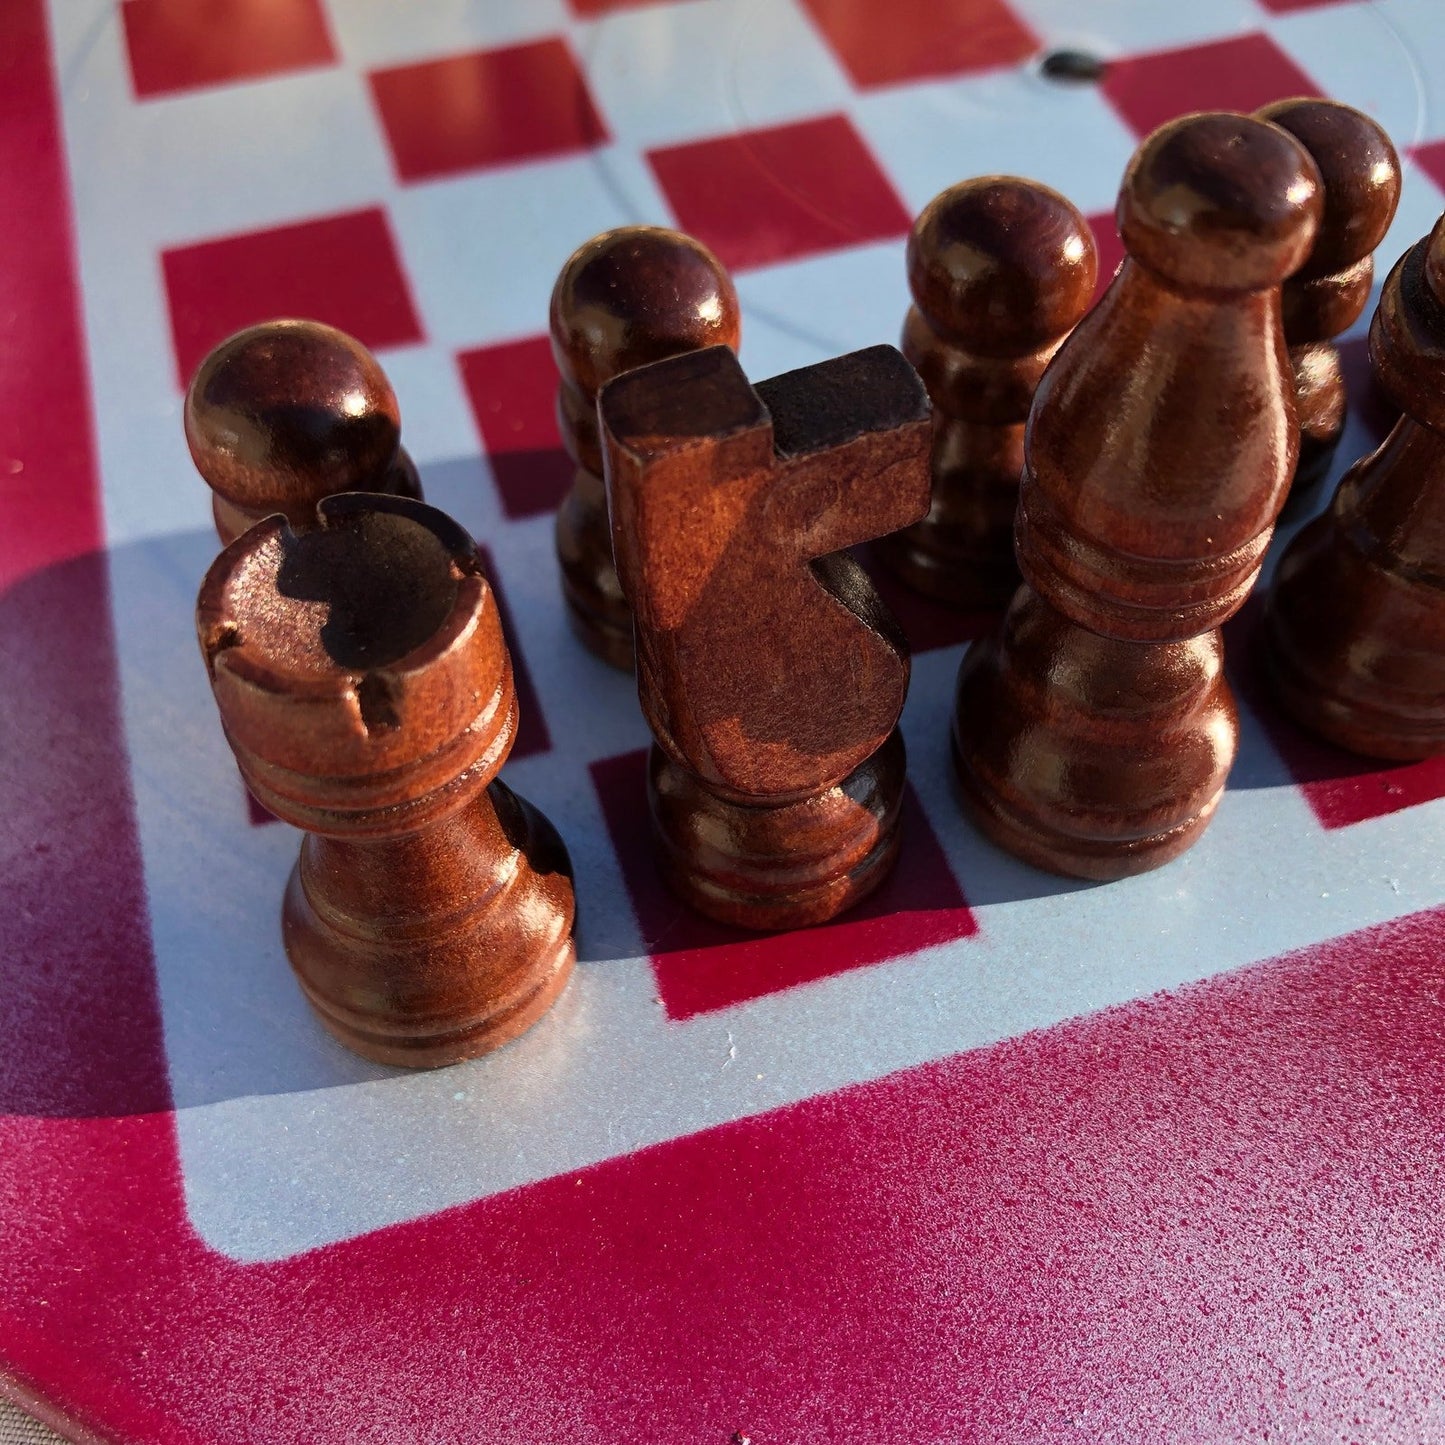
(1093, 731)
(283, 414)
(1355, 623)
(627, 297)
(364, 686)
(1001, 270)
(770, 673)
(1089, 756)
(1361, 174)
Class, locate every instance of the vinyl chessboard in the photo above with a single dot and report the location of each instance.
(1000, 1157)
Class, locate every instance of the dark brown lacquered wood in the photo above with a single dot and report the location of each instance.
(1163, 437)
(1094, 731)
(1361, 175)
(627, 297)
(1001, 269)
(1355, 624)
(770, 673)
(364, 686)
(286, 413)
(1089, 756)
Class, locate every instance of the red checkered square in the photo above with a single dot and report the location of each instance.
(701, 966)
(343, 270)
(1110, 246)
(489, 108)
(764, 196)
(918, 39)
(188, 44)
(590, 9)
(1241, 73)
(1341, 787)
(1431, 159)
(512, 389)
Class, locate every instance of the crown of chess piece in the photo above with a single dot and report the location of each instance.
(1001, 270)
(285, 413)
(1361, 174)
(628, 297)
(1094, 730)
(365, 688)
(1355, 621)
(770, 673)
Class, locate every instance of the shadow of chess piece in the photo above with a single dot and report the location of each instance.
(365, 688)
(1001, 270)
(283, 414)
(1361, 174)
(627, 297)
(1355, 622)
(771, 675)
(1159, 449)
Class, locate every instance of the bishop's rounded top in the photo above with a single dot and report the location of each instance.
(285, 413)
(1361, 174)
(638, 294)
(1220, 202)
(1001, 266)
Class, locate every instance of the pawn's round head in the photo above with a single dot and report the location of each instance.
(1001, 266)
(288, 412)
(1220, 202)
(1361, 174)
(634, 295)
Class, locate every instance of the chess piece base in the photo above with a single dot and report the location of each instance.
(1088, 756)
(788, 865)
(1332, 602)
(404, 986)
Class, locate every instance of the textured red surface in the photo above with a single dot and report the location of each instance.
(343, 270)
(919, 39)
(1241, 73)
(186, 44)
(466, 112)
(513, 388)
(764, 196)
(701, 966)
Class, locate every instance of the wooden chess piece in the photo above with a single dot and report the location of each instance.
(365, 688)
(627, 297)
(769, 671)
(1001, 270)
(1094, 730)
(1361, 174)
(285, 413)
(1355, 622)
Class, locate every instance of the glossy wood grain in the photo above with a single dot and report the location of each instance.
(1001, 269)
(770, 673)
(627, 297)
(1355, 624)
(1361, 174)
(285, 413)
(366, 690)
(1094, 731)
